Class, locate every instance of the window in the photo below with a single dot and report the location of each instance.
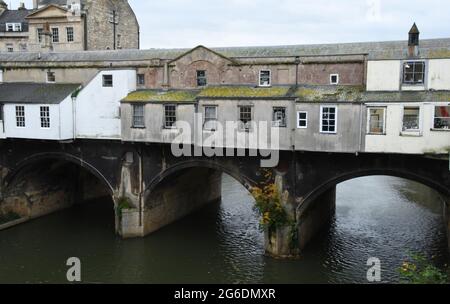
(279, 117)
(9, 48)
(170, 116)
(376, 121)
(265, 78)
(442, 117)
(107, 81)
(1, 112)
(39, 34)
(70, 35)
(20, 116)
(245, 118)
(328, 119)
(302, 120)
(13, 27)
(334, 79)
(138, 116)
(45, 117)
(51, 77)
(414, 72)
(411, 119)
(210, 118)
(119, 42)
(141, 79)
(201, 79)
(55, 35)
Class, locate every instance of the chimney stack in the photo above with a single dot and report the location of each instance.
(35, 4)
(413, 41)
(22, 6)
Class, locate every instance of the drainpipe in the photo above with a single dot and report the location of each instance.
(297, 63)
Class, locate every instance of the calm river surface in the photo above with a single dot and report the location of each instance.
(381, 217)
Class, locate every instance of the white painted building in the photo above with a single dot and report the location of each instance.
(408, 100)
(97, 105)
(37, 111)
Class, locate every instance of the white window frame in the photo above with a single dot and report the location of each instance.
(275, 123)
(298, 120)
(44, 112)
(260, 78)
(434, 117)
(211, 119)
(337, 79)
(141, 115)
(412, 83)
(322, 107)
(20, 119)
(106, 84)
(174, 124)
(70, 33)
(55, 35)
(39, 34)
(419, 130)
(384, 119)
(15, 27)
(245, 127)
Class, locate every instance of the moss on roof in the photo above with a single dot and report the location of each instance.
(330, 93)
(161, 96)
(244, 92)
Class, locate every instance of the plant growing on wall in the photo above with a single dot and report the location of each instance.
(268, 205)
(123, 203)
(418, 270)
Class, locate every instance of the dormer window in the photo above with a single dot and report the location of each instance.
(265, 78)
(414, 72)
(13, 27)
(334, 79)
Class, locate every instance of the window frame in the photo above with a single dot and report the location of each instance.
(39, 33)
(335, 107)
(135, 116)
(203, 78)
(299, 119)
(15, 27)
(368, 131)
(49, 77)
(55, 34)
(436, 117)
(213, 119)
(139, 77)
(20, 117)
(168, 124)
(107, 83)
(44, 113)
(260, 83)
(419, 119)
(245, 127)
(284, 123)
(71, 34)
(337, 79)
(424, 73)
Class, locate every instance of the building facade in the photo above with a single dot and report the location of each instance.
(69, 25)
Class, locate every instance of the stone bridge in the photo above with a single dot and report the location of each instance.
(151, 188)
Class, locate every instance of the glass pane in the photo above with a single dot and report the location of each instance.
(442, 111)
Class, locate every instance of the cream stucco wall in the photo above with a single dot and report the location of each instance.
(383, 75)
(439, 74)
(426, 140)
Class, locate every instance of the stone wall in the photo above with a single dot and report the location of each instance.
(100, 33)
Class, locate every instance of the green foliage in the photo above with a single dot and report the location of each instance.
(123, 203)
(418, 270)
(8, 217)
(161, 96)
(268, 205)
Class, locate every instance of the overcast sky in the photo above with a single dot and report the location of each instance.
(213, 23)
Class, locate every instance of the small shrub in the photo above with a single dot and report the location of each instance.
(418, 270)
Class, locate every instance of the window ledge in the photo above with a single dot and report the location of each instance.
(411, 133)
(377, 134)
(138, 128)
(440, 130)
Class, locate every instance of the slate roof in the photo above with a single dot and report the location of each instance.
(57, 2)
(42, 93)
(432, 48)
(14, 16)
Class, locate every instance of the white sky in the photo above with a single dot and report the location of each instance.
(214, 23)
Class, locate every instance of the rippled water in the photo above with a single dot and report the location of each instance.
(379, 217)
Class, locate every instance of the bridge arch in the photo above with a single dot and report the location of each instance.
(325, 186)
(35, 158)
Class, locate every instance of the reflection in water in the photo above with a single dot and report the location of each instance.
(380, 217)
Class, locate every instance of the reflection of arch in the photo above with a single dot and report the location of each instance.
(313, 195)
(57, 155)
(246, 182)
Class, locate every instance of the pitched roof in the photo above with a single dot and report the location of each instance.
(414, 29)
(14, 16)
(41, 93)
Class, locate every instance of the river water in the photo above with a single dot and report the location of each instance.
(381, 217)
